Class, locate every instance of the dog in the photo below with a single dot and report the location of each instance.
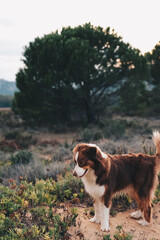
(105, 175)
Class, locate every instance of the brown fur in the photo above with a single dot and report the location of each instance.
(135, 174)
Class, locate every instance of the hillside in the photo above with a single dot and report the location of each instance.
(7, 88)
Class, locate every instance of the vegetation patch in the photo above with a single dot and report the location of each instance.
(28, 211)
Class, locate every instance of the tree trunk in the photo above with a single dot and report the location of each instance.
(90, 111)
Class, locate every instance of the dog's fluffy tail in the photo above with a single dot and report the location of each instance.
(156, 140)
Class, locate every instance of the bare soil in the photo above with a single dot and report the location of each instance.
(91, 231)
(61, 138)
(5, 109)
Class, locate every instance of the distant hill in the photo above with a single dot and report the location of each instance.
(7, 88)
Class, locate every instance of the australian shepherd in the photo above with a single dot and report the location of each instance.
(105, 175)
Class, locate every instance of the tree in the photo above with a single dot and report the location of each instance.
(154, 62)
(133, 93)
(153, 59)
(72, 73)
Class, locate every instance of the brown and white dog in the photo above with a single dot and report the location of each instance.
(104, 175)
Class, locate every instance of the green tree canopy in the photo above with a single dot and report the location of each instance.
(154, 62)
(71, 74)
(153, 59)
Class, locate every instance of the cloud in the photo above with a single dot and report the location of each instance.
(6, 22)
(10, 48)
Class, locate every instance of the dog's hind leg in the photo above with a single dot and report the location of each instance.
(138, 213)
(147, 212)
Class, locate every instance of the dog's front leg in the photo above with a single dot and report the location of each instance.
(104, 218)
(105, 207)
(97, 206)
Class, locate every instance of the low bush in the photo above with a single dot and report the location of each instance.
(97, 135)
(9, 120)
(113, 128)
(12, 135)
(61, 154)
(89, 135)
(32, 171)
(22, 139)
(22, 215)
(119, 235)
(9, 146)
(22, 157)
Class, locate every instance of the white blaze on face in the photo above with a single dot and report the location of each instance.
(76, 156)
(80, 171)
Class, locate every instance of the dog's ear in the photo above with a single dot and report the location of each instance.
(91, 152)
(78, 147)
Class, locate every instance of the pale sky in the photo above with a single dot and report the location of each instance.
(21, 21)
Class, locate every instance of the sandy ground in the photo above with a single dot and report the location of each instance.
(5, 109)
(91, 231)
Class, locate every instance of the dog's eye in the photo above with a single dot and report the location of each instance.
(81, 162)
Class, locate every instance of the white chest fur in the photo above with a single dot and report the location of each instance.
(91, 187)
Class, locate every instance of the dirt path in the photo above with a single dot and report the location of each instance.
(91, 231)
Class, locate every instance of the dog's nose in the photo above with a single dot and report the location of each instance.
(74, 173)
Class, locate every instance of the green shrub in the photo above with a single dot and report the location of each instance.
(26, 210)
(139, 127)
(24, 140)
(22, 157)
(113, 128)
(119, 235)
(61, 225)
(97, 136)
(106, 237)
(12, 135)
(89, 135)
(122, 235)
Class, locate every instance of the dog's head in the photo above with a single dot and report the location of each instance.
(86, 157)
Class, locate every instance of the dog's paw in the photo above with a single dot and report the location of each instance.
(136, 214)
(105, 228)
(143, 222)
(94, 220)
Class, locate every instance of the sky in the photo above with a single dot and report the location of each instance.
(21, 21)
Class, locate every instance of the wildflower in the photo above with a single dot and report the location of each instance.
(11, 180)
(22, 187)
(13, 186)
